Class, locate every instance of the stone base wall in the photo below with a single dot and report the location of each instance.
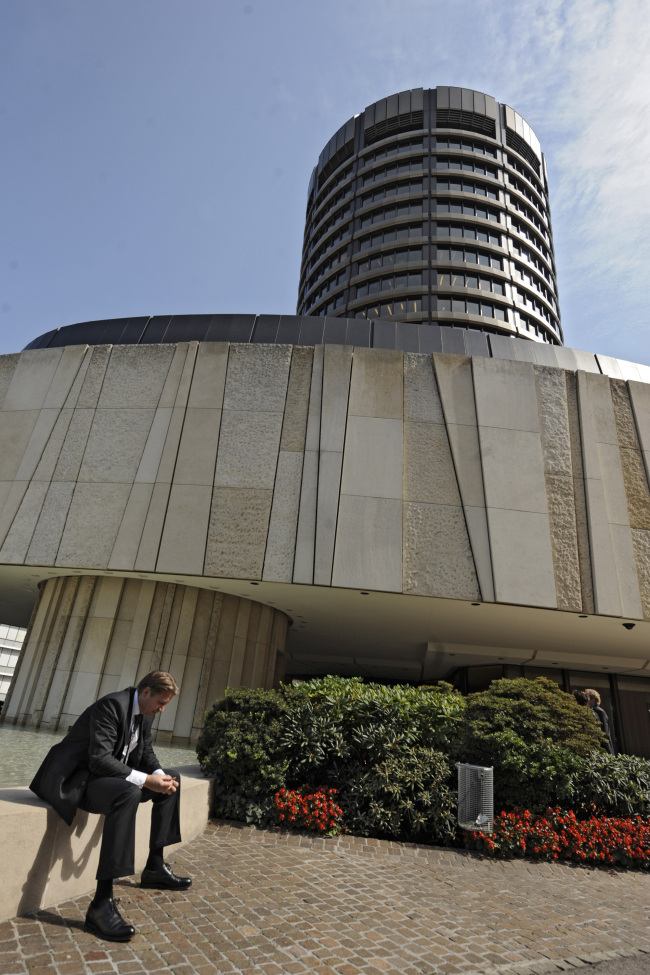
(90, 635)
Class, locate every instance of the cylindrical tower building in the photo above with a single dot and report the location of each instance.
(432, 207)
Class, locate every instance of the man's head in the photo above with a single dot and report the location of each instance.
(155, 691)
(593, 697)
(581, 697)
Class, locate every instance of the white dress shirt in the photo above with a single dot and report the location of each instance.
(136, 777)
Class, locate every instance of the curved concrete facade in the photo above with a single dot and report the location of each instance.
(432, 206)
(407, 513)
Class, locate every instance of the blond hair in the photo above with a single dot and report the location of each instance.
(593, 695)
(159, 682)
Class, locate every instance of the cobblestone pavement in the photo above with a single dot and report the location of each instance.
(265, 903)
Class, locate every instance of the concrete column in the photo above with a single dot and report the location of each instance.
(91, 635)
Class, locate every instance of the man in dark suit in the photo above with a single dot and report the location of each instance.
(106, 764)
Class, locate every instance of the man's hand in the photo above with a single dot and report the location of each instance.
(161, 783)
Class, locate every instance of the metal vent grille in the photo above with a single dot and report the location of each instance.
(453, 118)
(335, 161)
(475, 798)
(517, 143)
(390, 126)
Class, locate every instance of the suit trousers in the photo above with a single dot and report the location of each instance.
(118, 801)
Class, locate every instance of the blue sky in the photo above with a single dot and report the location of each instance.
(157, 153)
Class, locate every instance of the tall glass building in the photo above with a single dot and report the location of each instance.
(432, 207)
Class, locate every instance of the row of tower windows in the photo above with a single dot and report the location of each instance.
(469, 306)
(388, 258)
(394, 282)
(450, 143)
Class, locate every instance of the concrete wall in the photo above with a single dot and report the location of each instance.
(437, 475)
(91, 635)
(45, 861)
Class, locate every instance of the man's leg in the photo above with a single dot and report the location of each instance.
(165, 830)
(117, 800)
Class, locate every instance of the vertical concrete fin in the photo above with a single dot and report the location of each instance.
(513, 482)
(615, 580)
(337, 364)
(303, 565)
(456, 390)
(551, 389)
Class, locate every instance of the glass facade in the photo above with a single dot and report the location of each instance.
(388, 165)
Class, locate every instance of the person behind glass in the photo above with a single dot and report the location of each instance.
(106, 764)
(581, 698)
(593, 700)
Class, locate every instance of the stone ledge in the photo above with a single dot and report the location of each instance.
(45, 861)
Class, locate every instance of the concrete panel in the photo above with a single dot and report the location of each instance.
(421, 399)
(116, 442)
(554, 420)
(182, 548)
(197, 452)
(377, 384)
(513, 469)
(13, 499)
(372, 463)
(65, 375)
(257, 377)
(281, 543)
(603, 566)
(169, 455)
(152, 453)
(152, 531)
(329, 488)
(312, 437)
(303, 569)
(237, 533)
(102, 507)
(437, 556)
(429, 474)
(94, 377)
(522, 561)
(477, 529)
(368, 552)
(8, 365)
(74, 445)
(175, 392)
(613, 484)
(294, 427)
(505, 394)
(628, 580)
(640, 400)
(39, 438)
(248, 449)
(602, 408)
(456, 388)
(126, 546)
(20, 534)
(31, 379)
(466, 455)
(209, 379)
(50, 454)
(564, 540)
(72, 399)
(49, 529)
(135, 376)
(17, 429)
(337, 363)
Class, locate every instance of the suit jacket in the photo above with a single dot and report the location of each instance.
(93, 746)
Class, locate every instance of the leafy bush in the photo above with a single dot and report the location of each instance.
(239, 745)
(614, 785)
(380, 747)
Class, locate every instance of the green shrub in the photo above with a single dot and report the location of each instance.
(612, 785)
(404, 796)
(532, 733)
(239, 745)
(366, 740)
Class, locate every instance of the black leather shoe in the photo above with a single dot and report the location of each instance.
(106, 922)
(164, 878)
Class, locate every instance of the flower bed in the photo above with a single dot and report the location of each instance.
(316, 811)
(559, 835)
